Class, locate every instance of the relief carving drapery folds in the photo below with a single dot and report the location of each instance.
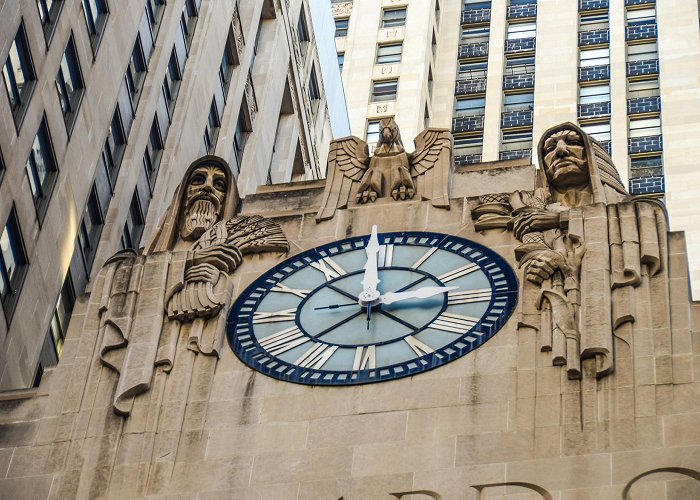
(354, 175)
(590, 256)
(180, 285)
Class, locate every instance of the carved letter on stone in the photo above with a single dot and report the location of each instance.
(353, 174)
(178, 290)
(585, 246)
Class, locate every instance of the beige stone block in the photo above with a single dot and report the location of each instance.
(494, 447)
(547, 411)
(397, 458)
(645, 401)
(435, 423)
(663, 366)
(569, 472)
(5, 458)
(549, 380)
(527, 383)
(547, 442)
(649, 432)
(578, 441)
(18, 433)
(591, 493)
(682, 368)
(521, 414)
(128, 480)
(358, 429)
(38, 460)
(499, 359)
(241, 411)
(308, 465)
(361, 488)
(256, 439)
(32, 487)
(489, 388)
(456, 483)
(681, 430)
(198, 476)
(408, 393)
(260, 492)
(627, 465)
(313, 404)
(644, 370)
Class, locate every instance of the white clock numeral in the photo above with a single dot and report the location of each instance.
(425, 257)
(280, 342)
(458, 273)
(329, 268)
(418, 347)
(365, 358)
(316, 356)
(453, 323)
(468, 296)
(294, 291)
(386, 255)
(274, 317)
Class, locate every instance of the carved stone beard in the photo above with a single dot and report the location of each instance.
(200, 215)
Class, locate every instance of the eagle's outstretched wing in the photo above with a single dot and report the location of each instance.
(348, 159)
(431, 164)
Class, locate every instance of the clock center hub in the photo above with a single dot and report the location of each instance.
(368, 297)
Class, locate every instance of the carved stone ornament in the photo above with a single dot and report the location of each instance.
(588, 253)
(355, 175)
(167, 304)
(250, 97)
(341, 9)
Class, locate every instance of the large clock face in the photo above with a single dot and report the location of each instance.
(331, 316)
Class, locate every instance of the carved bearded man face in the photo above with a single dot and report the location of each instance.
(565, 160)
(204, 201)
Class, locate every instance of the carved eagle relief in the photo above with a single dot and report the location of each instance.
(354, 175)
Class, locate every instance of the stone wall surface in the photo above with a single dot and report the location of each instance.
(500, 422)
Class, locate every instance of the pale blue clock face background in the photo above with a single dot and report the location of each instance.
(321, 311)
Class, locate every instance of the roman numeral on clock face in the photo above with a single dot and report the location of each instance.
(418, 347)
(316, 356)
(280, 342)
(365, 358)
(468, 296)
(274, 317)
(294, 291)
(453, 323)
(425, 257)
(329, 268)
(386, 255)
(458, 273)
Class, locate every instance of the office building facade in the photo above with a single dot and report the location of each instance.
(498, 73)
(103, 109)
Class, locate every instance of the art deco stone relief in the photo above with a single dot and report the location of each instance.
(587, 252)
(178, 290)
(355, 175)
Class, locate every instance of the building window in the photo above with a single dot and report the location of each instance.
(384, 90)
(392, 18)
(243, 129)
(303, 29)
(641, 16)
(228, 61)
(470, 107)
(476, 4)
(598, 131)
(476, 34)
(514, 141)
(437, 12)
(188, 21)
(595, 21)
(171, 82)
(2, 167)
(13, 264)
(154, 14)
(96, 12)
(426, 117)
(341, 60)
(62, 315)
(471, 70)
(314, 90)
(389, 54)
(468, 145)
(18, 73)
(341, 27)
(645, 127)
(646, 166)
(49, 10)
(90, 228)
(521, 30)
(593, 94)
(70, 85)
(133, 227)
(42, 168)
(643, 88)
(372, 135)
(595, 57)
(518, 102)
(211, 130)
(136, 72)
(642, 52)
(113, 150)
(153, 153)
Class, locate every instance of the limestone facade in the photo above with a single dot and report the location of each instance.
(286, 133)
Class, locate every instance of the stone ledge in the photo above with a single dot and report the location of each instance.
(19, 394)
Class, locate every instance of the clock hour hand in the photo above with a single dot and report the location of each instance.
(370, 279)
(420, 293)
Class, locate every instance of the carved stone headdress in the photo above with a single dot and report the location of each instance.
(605, 180)
(168, 230)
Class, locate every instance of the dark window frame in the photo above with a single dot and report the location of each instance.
(154, 12)
(388, 58)
(397, 22)
(244, 127)
(153, 153)
(377, 95)
(42, 190)
(212, 127)
(229, 60)
(314, 90)
(20, 98)
(48, 16)
(70, 102)
(13, 283)
(95, 24)
(89, 238)
(114, 150)
(171, 83)
(131, 238)
(136, 72)
(341, 27)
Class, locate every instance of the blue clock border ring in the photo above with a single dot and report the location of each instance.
(247, 347)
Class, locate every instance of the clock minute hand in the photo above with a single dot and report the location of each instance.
(370, 279)
(421, 293)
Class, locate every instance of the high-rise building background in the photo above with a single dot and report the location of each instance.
(499, 73)
(107, 102)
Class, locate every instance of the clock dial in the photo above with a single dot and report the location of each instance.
(431, 299)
